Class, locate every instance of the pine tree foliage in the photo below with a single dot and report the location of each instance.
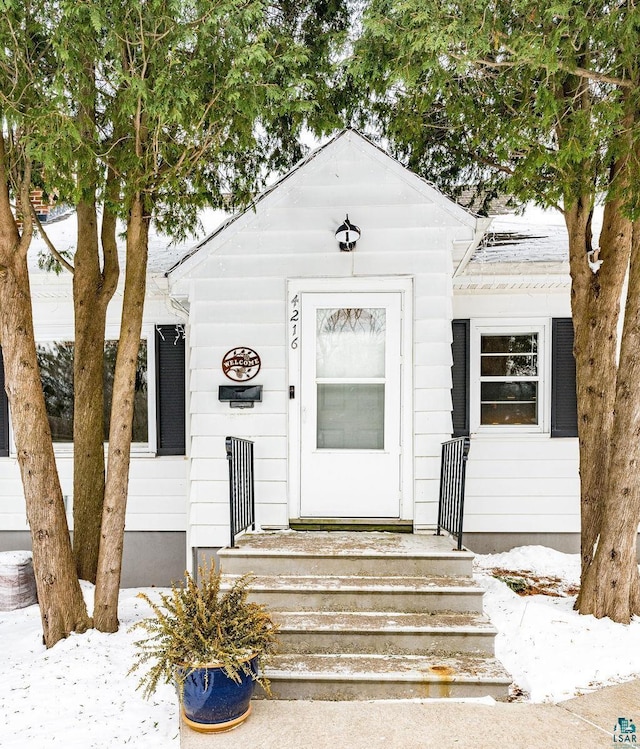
(194, 102)
(201, 624)
(532, 97)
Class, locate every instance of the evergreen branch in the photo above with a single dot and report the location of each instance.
(200, 625)
(580, 72)
(60, 258)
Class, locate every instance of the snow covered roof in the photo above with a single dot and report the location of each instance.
(536, 235)
(163, 253)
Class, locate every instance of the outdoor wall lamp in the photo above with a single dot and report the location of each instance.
(347, 235)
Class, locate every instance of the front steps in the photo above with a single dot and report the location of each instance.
(370, 615)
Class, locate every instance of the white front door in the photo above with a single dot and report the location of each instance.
(350, 404)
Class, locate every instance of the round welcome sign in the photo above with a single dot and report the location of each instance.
(241, 364)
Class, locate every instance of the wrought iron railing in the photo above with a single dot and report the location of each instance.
(453, 470)
(241, 489)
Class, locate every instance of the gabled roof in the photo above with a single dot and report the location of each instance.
(237, 221)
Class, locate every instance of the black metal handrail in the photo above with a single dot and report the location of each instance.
(453, 469)
(242, 506)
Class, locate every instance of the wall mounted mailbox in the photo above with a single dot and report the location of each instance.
(240, 396)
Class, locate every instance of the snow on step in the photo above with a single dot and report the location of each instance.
(355, 676)
(346, 553)
(339, 593)
(384, 632)
(370, 615)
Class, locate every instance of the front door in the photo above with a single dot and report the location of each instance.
(350, 404)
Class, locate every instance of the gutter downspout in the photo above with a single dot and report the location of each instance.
(482, 225)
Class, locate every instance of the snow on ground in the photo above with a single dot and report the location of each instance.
(552, 652)
(78, 695)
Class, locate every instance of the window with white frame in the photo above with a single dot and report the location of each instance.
(508, 387)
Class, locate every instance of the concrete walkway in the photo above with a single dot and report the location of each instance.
(586, 722)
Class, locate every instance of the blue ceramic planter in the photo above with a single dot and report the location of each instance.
(214, 702)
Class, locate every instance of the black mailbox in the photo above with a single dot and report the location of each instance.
(240, 396)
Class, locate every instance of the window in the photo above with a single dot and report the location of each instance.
(508, 377)
(56, 370)
(160, 398)
(486, 352)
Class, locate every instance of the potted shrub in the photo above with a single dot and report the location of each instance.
(212, 643)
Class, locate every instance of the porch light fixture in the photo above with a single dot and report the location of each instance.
(347, 235)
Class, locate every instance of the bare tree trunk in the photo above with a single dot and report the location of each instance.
(60, 597)
(88, 396)
(595, 306)
(115, 501)
(92, 291)
(611, 586)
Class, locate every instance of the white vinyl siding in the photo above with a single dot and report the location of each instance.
(519, 482)
(522, 485)
(237, 291)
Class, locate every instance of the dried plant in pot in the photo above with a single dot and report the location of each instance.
(212, 642)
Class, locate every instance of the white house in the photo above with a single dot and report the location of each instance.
(365, 357)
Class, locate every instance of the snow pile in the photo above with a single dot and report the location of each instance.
(552, 652)
(9, 559)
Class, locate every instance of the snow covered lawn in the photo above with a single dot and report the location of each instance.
(552, 652)
(78, 695)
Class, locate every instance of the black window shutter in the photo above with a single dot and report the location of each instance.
(460, 378)
(564, 408)
(4, 414)
(170, 389)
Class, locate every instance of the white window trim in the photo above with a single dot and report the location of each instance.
(497, 326)
(138, 449)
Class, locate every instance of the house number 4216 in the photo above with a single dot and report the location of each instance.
(294, 320)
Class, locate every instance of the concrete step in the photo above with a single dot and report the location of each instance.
(365, 554)
(362, 677)
(351, 593)
(370, 615)
(395, 633)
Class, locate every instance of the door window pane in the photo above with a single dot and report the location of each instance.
(350, 342)
(351, 416)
